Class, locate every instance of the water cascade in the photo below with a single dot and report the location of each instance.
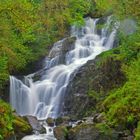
(44, 97)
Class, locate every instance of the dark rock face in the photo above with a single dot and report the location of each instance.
(62, 48)
(58, 53)
(97, 75)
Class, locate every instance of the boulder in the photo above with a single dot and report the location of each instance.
(62, 120)
(61, 48)
(50, 122)
(35, 124)
(60, 132)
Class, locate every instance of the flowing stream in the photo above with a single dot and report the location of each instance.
(44, 97)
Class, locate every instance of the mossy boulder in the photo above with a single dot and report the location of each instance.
(61, 133)
(63, 120)
(21, 127)
(12, 125)
(91, 132)
(50, 122)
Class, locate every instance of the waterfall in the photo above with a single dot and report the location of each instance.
(44, 98)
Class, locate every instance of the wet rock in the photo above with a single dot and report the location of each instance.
(50, 122)
(101, 22)
(88, 120)
(35, 124)
(61, 48)
(60, 133)
(79, 122)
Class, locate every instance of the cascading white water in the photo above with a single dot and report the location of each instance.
(44, 98)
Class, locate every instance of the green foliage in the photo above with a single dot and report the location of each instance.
(127, 51)
(6, 119)
(103, 127)
(27, 27)
(20, 125)
(137, 132)
(121, 105)
(121, 8)
(79, 8)
(3, 70)
(10, 123)
(126, 100)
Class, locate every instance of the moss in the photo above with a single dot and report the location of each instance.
(80, 127)
(21, 125)
(91, 131)
(104, 128)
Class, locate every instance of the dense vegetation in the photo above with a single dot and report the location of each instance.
(121, 105)
(28, 27)
(6, 119)
(125, 108)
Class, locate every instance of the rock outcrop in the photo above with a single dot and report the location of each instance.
(97, 75)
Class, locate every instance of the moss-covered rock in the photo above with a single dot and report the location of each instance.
(62, 120)
(92, 132)
(21, 127)
(61, 132)
(11, 125)
(50, 122)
